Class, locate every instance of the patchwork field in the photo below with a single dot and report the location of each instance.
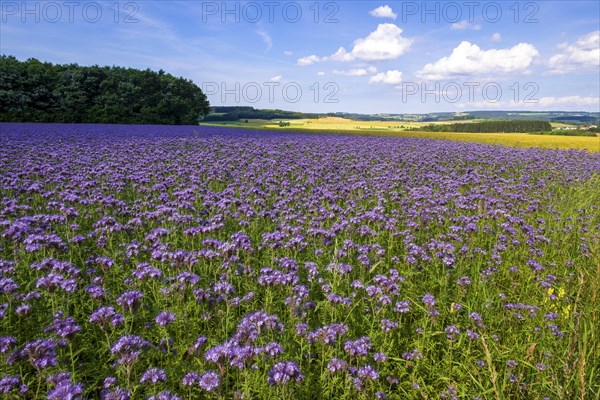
(161, 262)
(399, 129)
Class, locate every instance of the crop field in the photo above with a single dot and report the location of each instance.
(336, 125)
(162, 262)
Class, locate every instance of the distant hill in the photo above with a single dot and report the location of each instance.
(234, 113)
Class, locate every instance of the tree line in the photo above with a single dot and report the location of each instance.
(234, 113)
(508, 126)
(34, 91)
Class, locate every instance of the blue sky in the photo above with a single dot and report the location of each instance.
(327, 56)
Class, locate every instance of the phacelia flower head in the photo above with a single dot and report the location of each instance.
(283, 372)
(154, 375)
(128, 349)
(209, 381)
(165, 318)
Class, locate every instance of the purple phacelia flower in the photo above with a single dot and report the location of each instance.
(165, 318)
(58, 378)
(368, 373)
(41, 353)
(301, 328)
(272, 349)
(388, 325)
(195, 348)
(359, 347)
(95, 291)
(109, 382)
(451, 332)
(283, 372)
(253, 324)
(110, 393)
(402, 306)
(556, 331)
(118, 393)
(477, 319)
(145, 270)
(104, 316)
(165, 395)
(154, 375)
(327, 334)
(337, 365)
(53, 281)
(64, 327)
(130, 299)
(463, 281)
(208, 381)
(66, 391)
(450, 393)
(7, 285)
(339, 268)
(217, 354)
(9, 383)
(540, 367)
(6, 342)
(412, 355)
(473, 335)
(190, 378)
(428, 300)
(551, 315)
(128, 349)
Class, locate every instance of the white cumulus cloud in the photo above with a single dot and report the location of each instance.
(570, 101)
(308, 60)
(276, 78)
(392, 77)
(584, 54)
(580, 103)
(464, 24)
(385, 43)
(340, 55)
(383, 12)
(356, 72)
(468, 59)
(496, 37)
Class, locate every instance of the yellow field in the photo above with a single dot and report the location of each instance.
(333, 123)
(513, 139)
(398, 128)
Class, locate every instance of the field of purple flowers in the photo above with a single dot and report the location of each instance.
(206, 263)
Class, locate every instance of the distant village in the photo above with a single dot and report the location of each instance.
(577, 128)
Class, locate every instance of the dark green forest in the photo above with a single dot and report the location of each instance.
(34, 91)
(234, 113)
(522, 126)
